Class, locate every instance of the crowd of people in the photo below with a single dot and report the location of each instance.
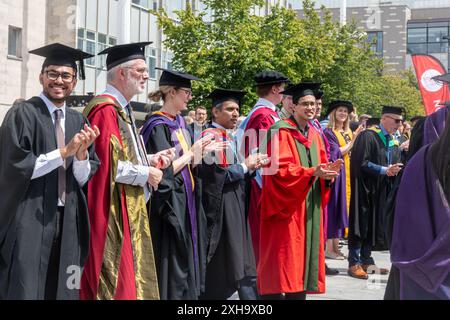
(94, 208)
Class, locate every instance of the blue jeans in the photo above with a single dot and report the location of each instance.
(360, 253)
(247, 289)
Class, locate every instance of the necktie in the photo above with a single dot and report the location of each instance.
(62, 169)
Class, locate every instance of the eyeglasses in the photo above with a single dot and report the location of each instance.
(188, 92)
(396, 120)
(66, 77)
(141, 71)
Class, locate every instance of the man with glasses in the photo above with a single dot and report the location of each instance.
(46, 159)
(374, 163)
(120, 264)
(292, 261)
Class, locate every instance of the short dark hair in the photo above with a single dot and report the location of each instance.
(264, 90)
(199, 108)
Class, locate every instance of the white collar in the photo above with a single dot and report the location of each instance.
(51, 106)
(266, 103)
(218, 126)
(111, 90)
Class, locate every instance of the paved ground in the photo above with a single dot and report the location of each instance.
(344, 287)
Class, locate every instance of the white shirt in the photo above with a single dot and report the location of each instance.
(46, 163)
(128, 173)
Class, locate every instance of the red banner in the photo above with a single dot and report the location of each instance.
(433, 92)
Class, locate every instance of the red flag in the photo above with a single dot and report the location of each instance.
(433, 92)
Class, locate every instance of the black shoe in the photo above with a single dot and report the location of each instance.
(331, 271)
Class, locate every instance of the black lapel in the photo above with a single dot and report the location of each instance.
(72, 127)
(46, 118)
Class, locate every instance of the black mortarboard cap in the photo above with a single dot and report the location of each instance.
(340, 103)
(123, 53)
(302, 89)
(221, 95)
(270, 77)
(393, 110)
(319, 94)
(442, 78)
(176, 78)
(372, 122)
(60, 55)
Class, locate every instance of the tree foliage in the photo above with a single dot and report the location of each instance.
(235, 44)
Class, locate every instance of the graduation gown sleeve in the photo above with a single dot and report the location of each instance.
(421, 236)
(292, 178)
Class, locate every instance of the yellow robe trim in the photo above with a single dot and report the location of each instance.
(343, 143)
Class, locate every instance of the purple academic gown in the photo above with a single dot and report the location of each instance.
(434, 125)
(316, 125)
(421, 237)
(337, 206)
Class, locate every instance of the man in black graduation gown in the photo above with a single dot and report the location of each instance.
(230, 257)
(46, 158)
(374, 164)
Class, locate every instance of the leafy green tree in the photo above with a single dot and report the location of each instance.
(236, 44)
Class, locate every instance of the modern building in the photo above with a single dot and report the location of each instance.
(398, 28)
(91, 25)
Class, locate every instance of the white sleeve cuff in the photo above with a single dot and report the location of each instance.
(244, 167)
(81, 170)
(142, 177)
(46, 163)
(128, 173)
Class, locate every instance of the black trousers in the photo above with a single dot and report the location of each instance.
(285, 296)
(51, 282)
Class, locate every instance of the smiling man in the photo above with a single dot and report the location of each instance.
(119, 192)
(292, 261)
(46, 159)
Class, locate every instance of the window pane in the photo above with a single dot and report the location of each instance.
(151, 67)
(436, 34)
(417, 48)
(90, 35)
(417, 35)
(101, 38)
(14, 42)
(437, 47)
(80, 44)
(375, 40)
(81, 33)
(112, 41)
(101, 60)
(90, 48)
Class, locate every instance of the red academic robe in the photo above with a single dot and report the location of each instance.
(282, 264)
(99, 188)
(262, 119)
